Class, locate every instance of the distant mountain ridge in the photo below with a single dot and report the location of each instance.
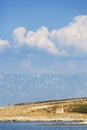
(18, 88)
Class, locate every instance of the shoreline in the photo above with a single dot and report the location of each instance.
(44, 119)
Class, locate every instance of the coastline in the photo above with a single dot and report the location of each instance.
(79, 121)
(47, 111)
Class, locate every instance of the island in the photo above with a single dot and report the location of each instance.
(55, 110)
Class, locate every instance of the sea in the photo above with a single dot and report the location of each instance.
(41, 126)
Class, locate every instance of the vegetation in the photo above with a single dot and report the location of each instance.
(80, 108)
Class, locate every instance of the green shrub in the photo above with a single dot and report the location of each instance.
(80, 108)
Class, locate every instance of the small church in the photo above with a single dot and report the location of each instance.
(60, 110)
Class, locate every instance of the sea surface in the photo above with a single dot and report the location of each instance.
(40, 126)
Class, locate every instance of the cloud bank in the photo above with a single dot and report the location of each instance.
(65, 41)
(40, 39)
(74, 35)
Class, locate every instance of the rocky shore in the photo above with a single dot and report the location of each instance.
(68, 118)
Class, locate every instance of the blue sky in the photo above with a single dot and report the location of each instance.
(43, 36)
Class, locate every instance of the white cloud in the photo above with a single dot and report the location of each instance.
(18, 35)
(59, 41)
(73, 35)
(4, 44)
(40, 38)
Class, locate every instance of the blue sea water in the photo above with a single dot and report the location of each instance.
(40, 126)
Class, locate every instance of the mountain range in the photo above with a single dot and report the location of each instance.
(32, 87)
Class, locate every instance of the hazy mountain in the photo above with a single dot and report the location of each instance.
(17, 88)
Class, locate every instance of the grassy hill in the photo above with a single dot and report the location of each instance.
(78, 105)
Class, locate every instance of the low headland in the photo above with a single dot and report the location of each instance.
(74, 110)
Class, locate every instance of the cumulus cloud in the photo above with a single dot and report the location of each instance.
(73, 35)
(58, 41)
(40, 38)
(19, 35)
(4, 44)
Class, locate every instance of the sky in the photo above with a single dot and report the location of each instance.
(43, 50)
(43, 36)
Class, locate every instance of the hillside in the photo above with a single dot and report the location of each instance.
(74, 108)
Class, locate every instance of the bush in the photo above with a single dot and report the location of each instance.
(80, 108)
